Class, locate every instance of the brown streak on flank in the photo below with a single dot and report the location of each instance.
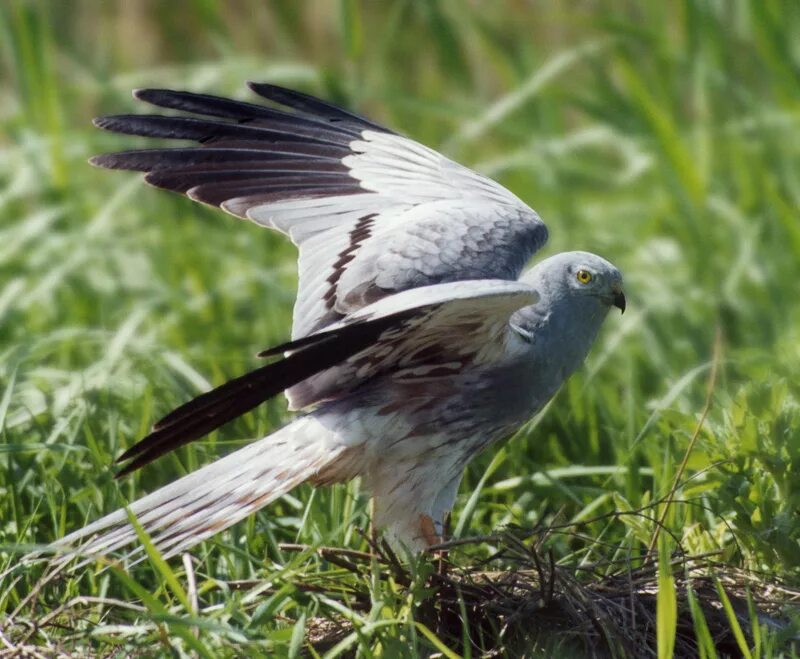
(436, 372)
(419, 431)
(411, 403)
(391, 408)
(396, 486)
(427, 354)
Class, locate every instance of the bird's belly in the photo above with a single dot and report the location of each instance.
(436, 415)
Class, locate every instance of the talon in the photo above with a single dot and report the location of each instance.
(428, 528)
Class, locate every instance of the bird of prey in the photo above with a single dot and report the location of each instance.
(416, 341)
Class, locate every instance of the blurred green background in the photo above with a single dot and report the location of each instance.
(664, 136)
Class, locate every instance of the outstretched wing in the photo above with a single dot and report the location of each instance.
(444, 326)
(372, 212)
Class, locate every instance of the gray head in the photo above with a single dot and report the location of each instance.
(576, 291)
(578, 279)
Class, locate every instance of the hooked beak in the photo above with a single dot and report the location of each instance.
(619, 301)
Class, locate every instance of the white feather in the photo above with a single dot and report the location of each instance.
(220, 494)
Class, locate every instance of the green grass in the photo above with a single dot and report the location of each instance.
(664, 136)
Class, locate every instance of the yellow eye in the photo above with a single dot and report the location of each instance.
(583, 276)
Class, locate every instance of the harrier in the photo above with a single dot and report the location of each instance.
(417, 340)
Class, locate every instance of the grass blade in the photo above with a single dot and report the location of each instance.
(733, 621)
(666, 604)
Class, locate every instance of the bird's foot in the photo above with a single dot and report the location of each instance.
(429, 533)
(433, 537)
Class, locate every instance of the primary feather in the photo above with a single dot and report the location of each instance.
(341, 187)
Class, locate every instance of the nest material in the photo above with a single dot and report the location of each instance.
(532, 607)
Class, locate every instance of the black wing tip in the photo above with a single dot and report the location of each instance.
(270, 352)
(155, 178)
(291, 98)
(127, 454)
(135, 464)
(107, 161)
(149, 94)
(270, 90)
(135, 452)
(125, 160)
(146, 450)
(100, 122)
(119, 123)
(124, 471)
(298, 344)
(262, 88)
(310, 355)
(134, 460)
(113, 121)
(309, 104)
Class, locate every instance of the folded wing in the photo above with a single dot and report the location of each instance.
(373, 213)
(441, 326)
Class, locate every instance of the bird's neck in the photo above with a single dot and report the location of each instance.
(560, 336)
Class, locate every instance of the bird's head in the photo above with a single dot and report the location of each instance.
(578, 278)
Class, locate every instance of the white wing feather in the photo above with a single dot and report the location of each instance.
(343, 189)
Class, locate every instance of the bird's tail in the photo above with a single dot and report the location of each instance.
(209, 500)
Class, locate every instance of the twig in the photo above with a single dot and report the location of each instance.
(186, 559)
(41, 583)
(325, 552)
(85, 599)
(712, 382)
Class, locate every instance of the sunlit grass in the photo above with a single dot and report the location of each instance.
(665, 137)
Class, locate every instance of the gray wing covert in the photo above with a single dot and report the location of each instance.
(438, 242)
(372, 212)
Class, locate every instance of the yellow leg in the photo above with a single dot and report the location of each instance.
(428, 529)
